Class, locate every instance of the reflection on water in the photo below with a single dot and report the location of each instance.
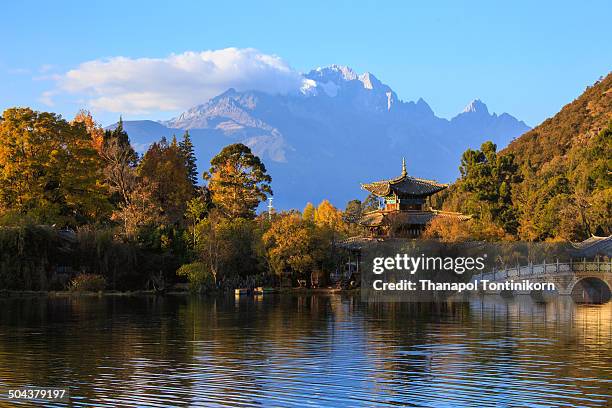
(316, 350)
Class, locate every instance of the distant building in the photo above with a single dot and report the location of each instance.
(405, 213)
(593, 247)
(407, 206)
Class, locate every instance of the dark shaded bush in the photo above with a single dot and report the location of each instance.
(88, 282)
(44, 258)
(28, 255)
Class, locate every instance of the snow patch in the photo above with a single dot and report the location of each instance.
(309, 87)
(476, 106)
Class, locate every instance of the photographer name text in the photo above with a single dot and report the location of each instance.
(486, 285)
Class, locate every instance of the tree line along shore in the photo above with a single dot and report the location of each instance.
(81, 210)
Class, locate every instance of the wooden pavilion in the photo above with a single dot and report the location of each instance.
(406, 209)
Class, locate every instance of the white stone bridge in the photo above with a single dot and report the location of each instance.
(584, 281)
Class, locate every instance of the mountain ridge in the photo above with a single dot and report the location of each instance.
(337, 121)
(564, 188)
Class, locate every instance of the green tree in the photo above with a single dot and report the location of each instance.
(197, 209)
(488, 178)
(371, 203)
(228, 246)
(186, 147)
(352, 212)
(238, 181)
(568, 199)
(119, 136)
(199, 276)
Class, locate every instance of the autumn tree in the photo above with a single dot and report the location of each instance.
(119, 173)
(49, 169)
(329, 217)
(447, 229)
(139, 210)
(164, 169)
(452, 229)
(308, 214)
(238, 181)
(93, 128)
(291, 246)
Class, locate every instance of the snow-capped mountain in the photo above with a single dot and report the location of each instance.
(340, 129)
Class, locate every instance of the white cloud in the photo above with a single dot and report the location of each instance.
(47, 98)
(176, 82)
(43, 69)
(18, 71)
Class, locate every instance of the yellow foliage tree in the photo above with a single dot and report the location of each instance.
(238, 181)
(328, 216)
(291, 245)
(49, 169)
(309, 212)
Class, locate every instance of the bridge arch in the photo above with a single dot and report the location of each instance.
(591, 289)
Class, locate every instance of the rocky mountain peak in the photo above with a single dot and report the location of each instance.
(476, 106)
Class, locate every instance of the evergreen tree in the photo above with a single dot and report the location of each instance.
(371, 203)
(488, 178)
(352, 212)
(119, 136)
(186, 147)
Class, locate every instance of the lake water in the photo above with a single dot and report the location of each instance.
(284, 350)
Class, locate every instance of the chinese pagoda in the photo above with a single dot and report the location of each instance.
(407, 206)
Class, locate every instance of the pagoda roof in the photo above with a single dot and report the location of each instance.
(404, 185)
(378, 218)
(593, 246)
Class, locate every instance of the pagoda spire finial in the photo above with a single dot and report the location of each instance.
(404, 172)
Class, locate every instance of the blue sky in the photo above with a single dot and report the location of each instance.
(525, 58)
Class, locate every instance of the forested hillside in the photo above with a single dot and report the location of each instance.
(553, 182)
(576, 124)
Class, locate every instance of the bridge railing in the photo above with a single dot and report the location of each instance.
(544, 269)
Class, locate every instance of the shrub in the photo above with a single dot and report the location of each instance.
(199, 276)
(88, 282)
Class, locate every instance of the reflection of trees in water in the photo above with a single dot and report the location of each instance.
(515, 339)
(228, 347)
(559, 316)
(576, 339)
(240, 341)
(90, 342)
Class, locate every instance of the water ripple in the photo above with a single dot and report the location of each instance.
(308, 351)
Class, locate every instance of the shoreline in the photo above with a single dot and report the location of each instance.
(4, 293)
